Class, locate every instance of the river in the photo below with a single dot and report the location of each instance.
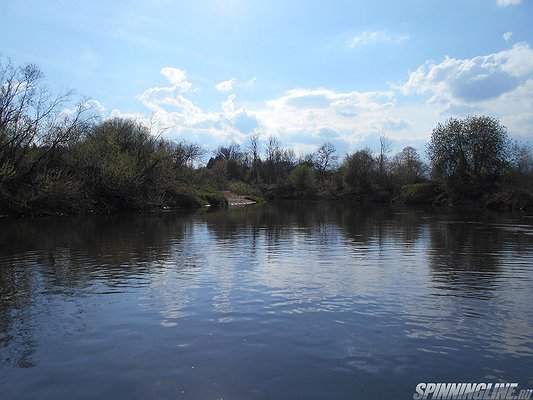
(285, 300)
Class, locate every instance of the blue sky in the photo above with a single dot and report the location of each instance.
(215, 71)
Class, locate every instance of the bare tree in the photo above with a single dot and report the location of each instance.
(408, 167)
(32, 116)
(325, 158)
(253, 146)
(384, 148)
(231, 152)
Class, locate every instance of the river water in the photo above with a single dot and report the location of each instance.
(276, 301)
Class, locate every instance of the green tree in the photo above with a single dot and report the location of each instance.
(302, 178)
(125, 166)
(469, 154)
(360, 170)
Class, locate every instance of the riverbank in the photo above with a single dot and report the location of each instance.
(425, 194)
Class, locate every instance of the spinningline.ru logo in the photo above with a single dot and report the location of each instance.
(475, 391)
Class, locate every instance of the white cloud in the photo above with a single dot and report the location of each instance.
(225, 86)
(310, 117)
(95, 107)
(177, 77)
(506, 3)
(172, 110)
(472, 80)
(229, 106)
(369, 37)
(507, 36)
(251, 82)
(496, 84)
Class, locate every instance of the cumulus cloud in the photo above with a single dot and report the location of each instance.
(507, 36)
(225, 86)
(95, 107)
(177, 77)
(371, 37)
(496, 84)
(506, 3)
(312, 113)
(472, 80)
(173, 109)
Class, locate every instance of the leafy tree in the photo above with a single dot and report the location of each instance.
(125, 166)
(302, 178)
(469, 154)
(360, 170)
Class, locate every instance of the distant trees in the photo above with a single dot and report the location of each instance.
(56, 155)
(469, 154)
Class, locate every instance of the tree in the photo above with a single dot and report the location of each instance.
(231, 152)
(325, 158)
(360, 170)
(279, 162)
(384, 148)
(469, 154)
(302, 178)
(31, 116)
(37, 129)
(382, 161)
(407, 166)
(253, 146)
(520, 171)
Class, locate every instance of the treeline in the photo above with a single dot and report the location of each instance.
(58, 159)
(470, 161)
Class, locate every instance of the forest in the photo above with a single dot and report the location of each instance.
(60, 160)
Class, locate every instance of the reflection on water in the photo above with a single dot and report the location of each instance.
(283, 300)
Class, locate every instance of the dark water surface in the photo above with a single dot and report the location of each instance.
(280, 301)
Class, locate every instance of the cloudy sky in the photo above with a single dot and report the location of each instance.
(214, 71)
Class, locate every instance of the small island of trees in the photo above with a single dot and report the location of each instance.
(57, 161)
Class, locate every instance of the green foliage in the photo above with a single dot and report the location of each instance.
(216, 199)
(420, 193)
(469, 155)
(124, 165)
(302, 178)
(256, 199)
(360, 170)
(57, 161)
(244, 189)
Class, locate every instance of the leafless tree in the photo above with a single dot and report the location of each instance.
(32, 116)
(325, 158)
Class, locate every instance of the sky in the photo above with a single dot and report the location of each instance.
(216, 71)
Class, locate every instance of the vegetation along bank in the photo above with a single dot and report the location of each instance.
(55, 159)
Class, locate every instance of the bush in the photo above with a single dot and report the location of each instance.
(420, 193)
(244, 189)
(216, 199)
